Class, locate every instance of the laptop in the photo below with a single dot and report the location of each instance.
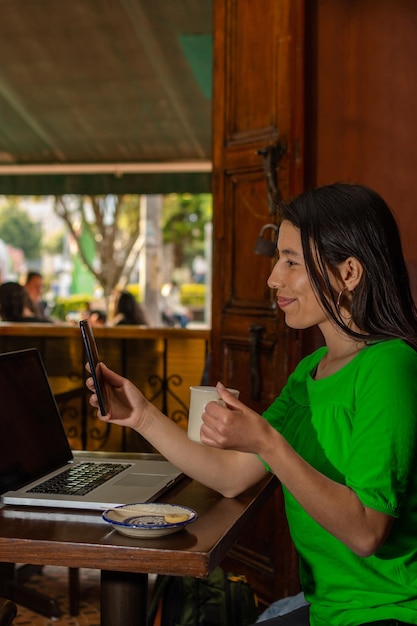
(34, 449)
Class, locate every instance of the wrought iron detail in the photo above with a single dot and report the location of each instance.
(271, 156)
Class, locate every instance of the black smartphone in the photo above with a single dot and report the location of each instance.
(93, 360)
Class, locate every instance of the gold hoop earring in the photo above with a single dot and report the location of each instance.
(338, 305)
(339, 299)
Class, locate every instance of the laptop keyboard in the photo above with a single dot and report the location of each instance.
(80, 479)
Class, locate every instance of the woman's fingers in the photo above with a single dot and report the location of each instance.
(228, 398)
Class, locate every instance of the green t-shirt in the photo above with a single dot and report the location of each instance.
(358, 427)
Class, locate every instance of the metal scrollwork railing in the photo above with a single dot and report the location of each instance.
(162, 362)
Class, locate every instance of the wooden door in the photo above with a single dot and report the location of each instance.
(258, 103)
(362, 99)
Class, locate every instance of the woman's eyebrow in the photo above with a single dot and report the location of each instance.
(289, 252)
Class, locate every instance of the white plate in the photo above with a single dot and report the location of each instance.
(148, 520)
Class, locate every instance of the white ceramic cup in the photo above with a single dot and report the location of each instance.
(200, 396)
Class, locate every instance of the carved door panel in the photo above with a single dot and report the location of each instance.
(257, 157)
(257, 104)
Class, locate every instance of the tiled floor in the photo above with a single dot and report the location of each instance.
(54, 582)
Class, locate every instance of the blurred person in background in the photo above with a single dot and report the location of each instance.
(15, 304)
(34, 286)
(97, 317)
(174, 313)
(129, 312)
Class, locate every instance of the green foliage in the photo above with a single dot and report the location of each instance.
(184, 220)
(20, 231)
(193, 294)
(70, 304)
(129, 213)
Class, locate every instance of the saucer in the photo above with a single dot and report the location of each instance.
(147, 520)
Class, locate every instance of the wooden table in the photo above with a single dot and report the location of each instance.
(82, 539)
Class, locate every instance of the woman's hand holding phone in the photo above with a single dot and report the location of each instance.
(93, 360)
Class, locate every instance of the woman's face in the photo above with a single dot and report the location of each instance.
(295, 295)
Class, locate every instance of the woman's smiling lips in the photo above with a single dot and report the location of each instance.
(284, 302)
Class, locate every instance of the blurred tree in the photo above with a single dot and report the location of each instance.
(112, 222)
(19, 230)
(184, 219)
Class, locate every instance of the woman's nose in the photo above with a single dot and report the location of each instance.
(274, 281)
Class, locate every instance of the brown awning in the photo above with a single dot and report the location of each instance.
(105, 96)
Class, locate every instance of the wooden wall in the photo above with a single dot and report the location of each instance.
(361, 101)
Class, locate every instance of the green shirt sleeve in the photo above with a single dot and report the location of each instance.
(384, 432)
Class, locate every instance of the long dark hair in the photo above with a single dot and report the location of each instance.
(13, 300)
(131, 309)
(342, 220)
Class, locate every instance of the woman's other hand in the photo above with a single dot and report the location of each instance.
(233, 426)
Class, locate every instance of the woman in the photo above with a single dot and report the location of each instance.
(129, 311)
(341, 437)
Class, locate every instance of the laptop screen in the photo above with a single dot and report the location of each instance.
(32, 437)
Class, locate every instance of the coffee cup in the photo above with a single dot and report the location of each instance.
(200, 395)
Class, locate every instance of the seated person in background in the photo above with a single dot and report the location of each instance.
(129, 311)
(174, 313)
(97, 317)
(34, 286)
(15, 304)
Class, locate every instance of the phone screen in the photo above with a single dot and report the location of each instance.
(93, 360)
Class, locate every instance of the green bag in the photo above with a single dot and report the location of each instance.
(221, 599)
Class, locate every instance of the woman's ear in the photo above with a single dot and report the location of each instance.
(351, 272)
